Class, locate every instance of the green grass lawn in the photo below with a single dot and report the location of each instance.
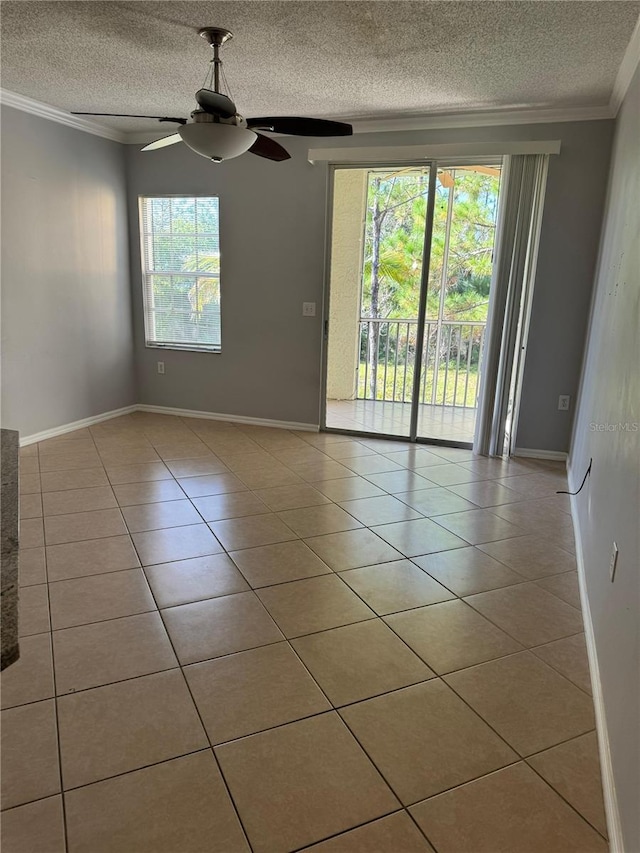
(449, 395)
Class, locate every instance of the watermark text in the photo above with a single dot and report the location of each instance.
(628, 426)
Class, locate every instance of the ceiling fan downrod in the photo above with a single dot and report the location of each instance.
(218, 132)
(216, 37)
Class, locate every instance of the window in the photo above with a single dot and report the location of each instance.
(181, 272)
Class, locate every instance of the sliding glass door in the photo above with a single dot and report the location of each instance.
(410, 273)
(377, 255)
(458, 287)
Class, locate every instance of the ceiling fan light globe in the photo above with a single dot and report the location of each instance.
(217, 141)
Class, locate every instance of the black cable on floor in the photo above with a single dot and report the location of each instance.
(584, 480)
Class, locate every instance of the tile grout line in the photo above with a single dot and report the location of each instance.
(299, 538)
(420, 829)
(196, 707)
(378, 617)
(520, 759)
(332, 708)
(297, 637)
(55, 695)
(346, 831)
(523, 580)
(478, 714)
(408, 805)
(495, 624)
(440, 677)
(561, 795)
(129, 772)
(197, 710)
(335, 572)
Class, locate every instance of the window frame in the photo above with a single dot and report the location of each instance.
(145, 273)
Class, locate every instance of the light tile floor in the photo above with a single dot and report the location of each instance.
(446, 423)
(239, 638)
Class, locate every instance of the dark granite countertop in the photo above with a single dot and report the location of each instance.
(9, 462)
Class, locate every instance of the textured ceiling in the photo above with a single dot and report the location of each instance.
(328, 59)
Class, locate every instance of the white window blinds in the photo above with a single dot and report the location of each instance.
(181, 272)
(519, 223)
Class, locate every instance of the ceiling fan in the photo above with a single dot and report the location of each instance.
(219, 133)
(447, 180)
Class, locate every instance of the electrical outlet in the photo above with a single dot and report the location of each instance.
(613, 562)
(308, 309)
(563, 402)
(161, 367)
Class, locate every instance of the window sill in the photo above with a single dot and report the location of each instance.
(184, 348)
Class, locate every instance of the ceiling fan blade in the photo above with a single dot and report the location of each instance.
(445, 178)
(269, 148)
(162, 143)
(129, 115)
(483, 170)
(297, 126)
(215, 103)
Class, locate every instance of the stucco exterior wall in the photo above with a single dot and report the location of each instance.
(349, 209)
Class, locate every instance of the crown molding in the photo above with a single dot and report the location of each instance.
(37, 108)
(443, 121)
(372, 124)
(627, 69)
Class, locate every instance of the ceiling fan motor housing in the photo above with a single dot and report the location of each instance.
(216, 140)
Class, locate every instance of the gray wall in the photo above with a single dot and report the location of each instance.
(272, 253)
(574, 200)
(273, 237)
(67, 349)
(608, 509)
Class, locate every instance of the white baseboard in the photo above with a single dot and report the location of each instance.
(65, 428)
(529, 453)
(164, 410)
(614, 829)
(234, 419)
